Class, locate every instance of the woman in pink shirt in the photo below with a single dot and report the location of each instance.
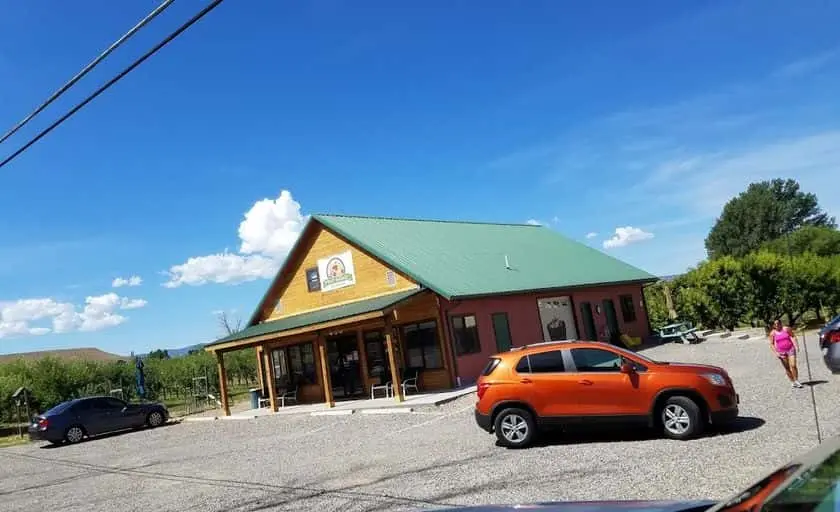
(784, 344)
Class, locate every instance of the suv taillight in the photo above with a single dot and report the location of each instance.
(43, 423)
(833, 337)
(482, 388)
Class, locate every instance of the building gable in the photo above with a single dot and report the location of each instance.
(325, 270)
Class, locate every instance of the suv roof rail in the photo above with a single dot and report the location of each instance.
(541, 343)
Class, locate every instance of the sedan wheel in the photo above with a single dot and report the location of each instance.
(74, 435)
(155, 419)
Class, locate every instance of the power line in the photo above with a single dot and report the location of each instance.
(109, 83)
(152, 15)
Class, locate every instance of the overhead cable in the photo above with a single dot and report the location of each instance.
(115, 79)
(149, 17)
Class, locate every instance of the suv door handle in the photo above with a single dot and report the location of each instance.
(585, 382)
(526, 381)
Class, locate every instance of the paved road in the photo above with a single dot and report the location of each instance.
(423, 460)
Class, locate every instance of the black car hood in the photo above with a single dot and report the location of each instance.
(599, 506)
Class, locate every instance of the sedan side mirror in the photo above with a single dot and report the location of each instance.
(627, 368)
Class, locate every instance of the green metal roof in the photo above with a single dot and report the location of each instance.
(462, 259)
(316, 317)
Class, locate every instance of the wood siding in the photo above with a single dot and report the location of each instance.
(371, 278)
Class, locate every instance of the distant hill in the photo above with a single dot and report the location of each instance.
(88, 354)
(183, 351)
(178, 352)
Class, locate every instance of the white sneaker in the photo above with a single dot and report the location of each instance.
(797, 384)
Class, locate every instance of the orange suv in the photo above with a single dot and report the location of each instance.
(560, 383)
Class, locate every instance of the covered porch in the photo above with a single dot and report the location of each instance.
(348, 352)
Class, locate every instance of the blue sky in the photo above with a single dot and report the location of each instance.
(630, 122)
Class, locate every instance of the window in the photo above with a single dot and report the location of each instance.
(421, 345)
(313, 280)
(596, 360)
(105, 404)
(377, 359)
(501, 330)
(294, 364)
(547, 362)
(628, 309)
(522, 366)
(465, 332)
(491, 365)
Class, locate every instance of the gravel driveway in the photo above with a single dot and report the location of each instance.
(423, 460)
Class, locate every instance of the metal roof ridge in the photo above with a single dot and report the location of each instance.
(415, 219)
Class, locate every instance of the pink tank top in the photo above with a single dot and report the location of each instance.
(783, 340)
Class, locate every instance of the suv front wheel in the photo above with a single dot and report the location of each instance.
(681, 418)
(515, 428)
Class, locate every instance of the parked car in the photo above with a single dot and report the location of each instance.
(544, 385)
(830, 344)
(74, 420)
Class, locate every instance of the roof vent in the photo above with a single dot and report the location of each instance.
(507, 262)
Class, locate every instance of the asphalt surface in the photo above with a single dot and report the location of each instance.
(430, 459)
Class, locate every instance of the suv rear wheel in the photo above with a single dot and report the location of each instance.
(681, 418)
(515, 428)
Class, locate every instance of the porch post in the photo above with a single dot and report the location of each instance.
(392, 361)
(223, 393)
(360, 343)
(325, 371)
(260, 369)
(271, 380)
(448, 352)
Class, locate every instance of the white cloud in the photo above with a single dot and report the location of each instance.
(223, 268)
(626, 236)
(267, 234)
(533, 222)
(26, 316)
(127, 281)
(591, 235)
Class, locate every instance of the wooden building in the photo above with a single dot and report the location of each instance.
(364, 300)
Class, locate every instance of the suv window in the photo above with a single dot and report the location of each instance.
(522, 366)
(547, 362)
(491, 365)
(596, 360)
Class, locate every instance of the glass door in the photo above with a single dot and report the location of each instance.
(588, 321)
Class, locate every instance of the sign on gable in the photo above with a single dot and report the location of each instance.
(336, 271)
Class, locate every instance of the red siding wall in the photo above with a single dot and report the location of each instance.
(524, 319)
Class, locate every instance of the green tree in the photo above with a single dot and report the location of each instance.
(159, 354)
(766, 272)
(763, 213)
(819, 240)
(657, 308)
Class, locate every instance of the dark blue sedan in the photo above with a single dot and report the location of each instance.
(74, 420)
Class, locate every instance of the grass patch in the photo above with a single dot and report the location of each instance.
(13, 440)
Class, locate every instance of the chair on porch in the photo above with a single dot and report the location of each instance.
(410, 378)
(385, 383)
(289, 395)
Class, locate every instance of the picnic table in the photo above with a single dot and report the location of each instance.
(680, 331)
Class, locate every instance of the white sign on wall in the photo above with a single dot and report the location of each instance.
(557, 318)
(336, 271)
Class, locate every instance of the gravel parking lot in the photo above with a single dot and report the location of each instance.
(430, 459)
